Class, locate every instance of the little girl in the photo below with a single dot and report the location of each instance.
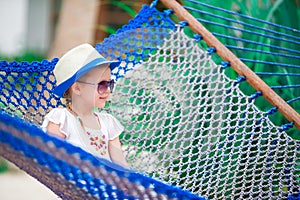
(84, 79)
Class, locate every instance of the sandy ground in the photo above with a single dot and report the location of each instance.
(16, 185)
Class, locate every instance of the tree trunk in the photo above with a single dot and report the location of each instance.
(76, 25)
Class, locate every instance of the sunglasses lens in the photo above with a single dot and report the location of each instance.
(112, 85)
(103, 85)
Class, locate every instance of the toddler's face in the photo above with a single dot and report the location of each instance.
(90, 93)
(101, 98)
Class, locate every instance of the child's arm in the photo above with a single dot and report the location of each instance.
(53, 129)
(116, 153)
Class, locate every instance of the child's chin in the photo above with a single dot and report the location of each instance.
(100, 105)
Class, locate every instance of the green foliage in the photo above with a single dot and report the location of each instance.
(127, 7)
(124, 6)
(28, 56)
(3, 165)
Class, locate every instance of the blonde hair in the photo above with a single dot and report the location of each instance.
(67, 98)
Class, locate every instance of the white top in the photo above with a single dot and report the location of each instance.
(93, 141)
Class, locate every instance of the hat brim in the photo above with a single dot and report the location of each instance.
(60, 89)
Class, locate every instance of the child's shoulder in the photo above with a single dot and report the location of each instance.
(57, 116)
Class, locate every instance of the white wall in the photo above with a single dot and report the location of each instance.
(25, 25)
(13, 23)
(39, 30)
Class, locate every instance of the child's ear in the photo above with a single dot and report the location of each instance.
(75, 88)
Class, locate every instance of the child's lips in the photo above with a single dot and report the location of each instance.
(103, 98)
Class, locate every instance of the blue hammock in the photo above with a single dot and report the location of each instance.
(191, 129)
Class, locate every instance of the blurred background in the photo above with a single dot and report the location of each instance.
(38, 29)
(48, 28)
(33, 30)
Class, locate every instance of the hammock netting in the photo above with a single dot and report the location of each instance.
(191, 129)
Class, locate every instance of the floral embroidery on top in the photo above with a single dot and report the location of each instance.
(99, 143)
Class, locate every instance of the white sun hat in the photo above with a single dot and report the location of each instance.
(76, 63)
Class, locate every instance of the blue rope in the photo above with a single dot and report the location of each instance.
(255, 95)
(263, 52)
(256, 43)
(294, 197)
(183, 24)
(293, 100)
(275, 74)
(168, 12)
(225, 64)
(270, 63)
(198, 37)
(23, 67)
(286, 127)
(247, 31)
(244, 16)
(284, 86)
(242, 23)
(271, 111)
(211, 50)
(239, 80)
(153, 4)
